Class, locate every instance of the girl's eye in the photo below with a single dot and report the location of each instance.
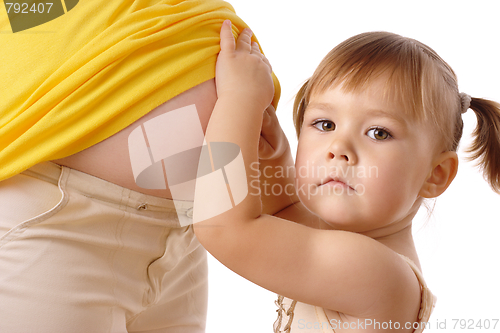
(324, 125)
(379, 134)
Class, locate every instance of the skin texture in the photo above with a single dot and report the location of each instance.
(109, 159)
(352, 269)
(367, 143)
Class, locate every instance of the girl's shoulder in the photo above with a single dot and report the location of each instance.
(380, 266)
(366, 324)
(338, 270)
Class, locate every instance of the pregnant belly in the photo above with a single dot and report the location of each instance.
(110, 159)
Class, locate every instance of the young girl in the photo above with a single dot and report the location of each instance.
(378, 124)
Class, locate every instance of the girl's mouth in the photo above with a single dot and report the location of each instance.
(337, 182)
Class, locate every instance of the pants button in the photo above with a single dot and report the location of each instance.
(143, 206)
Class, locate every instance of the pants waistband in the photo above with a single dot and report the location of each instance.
(126, 199)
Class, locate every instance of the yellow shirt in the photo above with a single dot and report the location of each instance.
(71, 82)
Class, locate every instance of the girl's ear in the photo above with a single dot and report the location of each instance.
(442, 174)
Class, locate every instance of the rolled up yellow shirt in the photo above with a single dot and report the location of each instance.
(81, 77)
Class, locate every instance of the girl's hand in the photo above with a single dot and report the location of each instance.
(242, 71)
(273, 142)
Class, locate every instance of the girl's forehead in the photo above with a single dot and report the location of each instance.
(373, 95)
(378, 91)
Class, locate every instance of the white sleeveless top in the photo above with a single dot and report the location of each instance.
(295, 317)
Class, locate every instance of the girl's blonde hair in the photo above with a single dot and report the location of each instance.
(417, 77)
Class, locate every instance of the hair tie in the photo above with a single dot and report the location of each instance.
(465, 101)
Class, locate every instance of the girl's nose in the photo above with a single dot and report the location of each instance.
(332, 156)
(342, 151)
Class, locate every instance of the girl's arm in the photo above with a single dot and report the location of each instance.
(337, 270)
(276, 166)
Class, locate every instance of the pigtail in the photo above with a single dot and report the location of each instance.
(486, 143)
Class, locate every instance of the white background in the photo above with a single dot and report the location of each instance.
(459, 245)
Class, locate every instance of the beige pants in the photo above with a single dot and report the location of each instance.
(79, 254)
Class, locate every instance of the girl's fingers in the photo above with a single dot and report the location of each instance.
(269, 122)
(271, 141)
(267, 62)
(227, 42)
(256, 49)
(244, 42)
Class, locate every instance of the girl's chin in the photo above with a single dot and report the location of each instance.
(346, 222)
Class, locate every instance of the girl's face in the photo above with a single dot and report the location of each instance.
(361, 162)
